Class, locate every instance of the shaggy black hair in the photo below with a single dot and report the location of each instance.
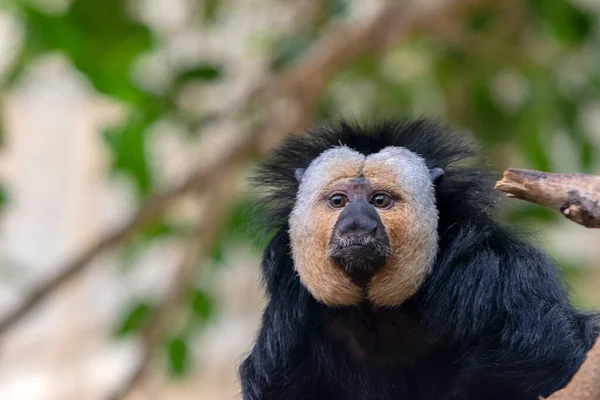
(493, 320)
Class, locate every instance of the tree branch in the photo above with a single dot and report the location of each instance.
(288, 102)
(154, 208)
(204, 237)
(576, 196)
(585, 385)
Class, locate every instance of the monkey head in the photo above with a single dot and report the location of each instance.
(364, 227)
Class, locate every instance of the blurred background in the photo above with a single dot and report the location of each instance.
(128, 257)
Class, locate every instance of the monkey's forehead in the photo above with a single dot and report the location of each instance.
(395, 164)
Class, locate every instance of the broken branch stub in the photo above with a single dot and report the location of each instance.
(576, 196)
(584, 385)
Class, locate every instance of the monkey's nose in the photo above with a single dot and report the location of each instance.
(359, 218)
(359, 243)
(357, 225)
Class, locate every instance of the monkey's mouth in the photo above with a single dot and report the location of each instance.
(359, 256)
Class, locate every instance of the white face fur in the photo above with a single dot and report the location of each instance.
(410, 225)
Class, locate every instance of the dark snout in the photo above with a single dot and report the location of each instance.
(359, 243)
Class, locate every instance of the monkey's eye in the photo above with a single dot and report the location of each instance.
(337, 201)
(381, 200)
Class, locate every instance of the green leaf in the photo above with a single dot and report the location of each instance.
(100, 39)
(334, 8)
(145, 238)
(568, 24)
(128, 146)
(202, 305)
(242, 224)
(159, 229)
(290, 50)
(3, 196)
(178, 356)
(134, 318)
(218, 252)
(480, 19)
(205, 72)
(210, 10)
(366, 66)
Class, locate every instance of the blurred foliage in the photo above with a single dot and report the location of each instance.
(201, 72)
(134, 318)
(210, 10)
(564, 20)
(289, 48)
(3, 197)
(178, 356)
(202, 306)
(148, 236)
(519, 75)
(506, 74)
(573, 275)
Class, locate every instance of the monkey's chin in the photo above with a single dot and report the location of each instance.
(359, 262)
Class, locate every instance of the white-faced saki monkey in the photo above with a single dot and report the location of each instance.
(388, 278)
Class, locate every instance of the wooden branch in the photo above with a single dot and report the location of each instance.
(288, 101)
(154, 208)
(585, 385)
(576, 196)
(218, 203)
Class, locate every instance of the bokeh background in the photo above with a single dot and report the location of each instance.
(109, 105)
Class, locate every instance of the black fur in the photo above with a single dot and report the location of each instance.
(493, 321)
